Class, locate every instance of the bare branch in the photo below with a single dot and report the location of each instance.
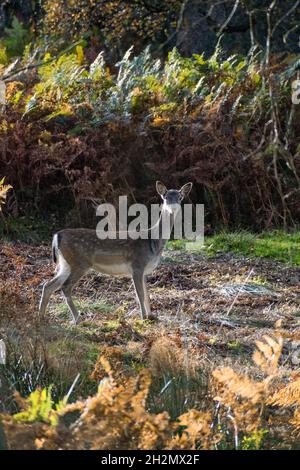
(237, 2)
(285, 15)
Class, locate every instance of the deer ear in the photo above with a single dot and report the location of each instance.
(186, 189)
(160, 188)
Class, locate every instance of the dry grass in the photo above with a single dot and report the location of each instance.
(198, 355)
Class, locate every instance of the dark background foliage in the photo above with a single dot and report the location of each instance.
(192, 26)
(246, 174)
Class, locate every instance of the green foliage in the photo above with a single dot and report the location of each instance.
(141, 85)
(15, 38)
(130, 83)
(3, 56)
(277, 245)
(27, 228)
(58, 80)
(181, 75)
(255, 440)
(39, 407)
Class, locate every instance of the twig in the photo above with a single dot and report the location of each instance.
(179, 23)
(237, 2)
(285, 15)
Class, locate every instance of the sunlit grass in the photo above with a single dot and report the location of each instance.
(277, 245)
(84, 306)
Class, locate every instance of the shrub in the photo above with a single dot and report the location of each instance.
(237, 413)
(104, 131)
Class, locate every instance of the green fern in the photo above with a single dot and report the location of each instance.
(15, 38)
(40, 407)
(142, 85)
(3, 55)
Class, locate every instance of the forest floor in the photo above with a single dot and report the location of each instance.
(212, 310)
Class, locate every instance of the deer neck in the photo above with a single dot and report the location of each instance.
(158, 244)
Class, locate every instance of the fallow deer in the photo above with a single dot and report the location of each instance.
(76, 251)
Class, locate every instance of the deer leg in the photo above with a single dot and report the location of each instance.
(67, 290)
(142, 294)
(71, 306)
(147, 301)
(48, 288)
(55, 283)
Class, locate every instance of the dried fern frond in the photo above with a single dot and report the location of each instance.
(198, 429)
(287, 396)
(241, 386)
(268, 354)
(4, 188)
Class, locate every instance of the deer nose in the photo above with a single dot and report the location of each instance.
(173, 208)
